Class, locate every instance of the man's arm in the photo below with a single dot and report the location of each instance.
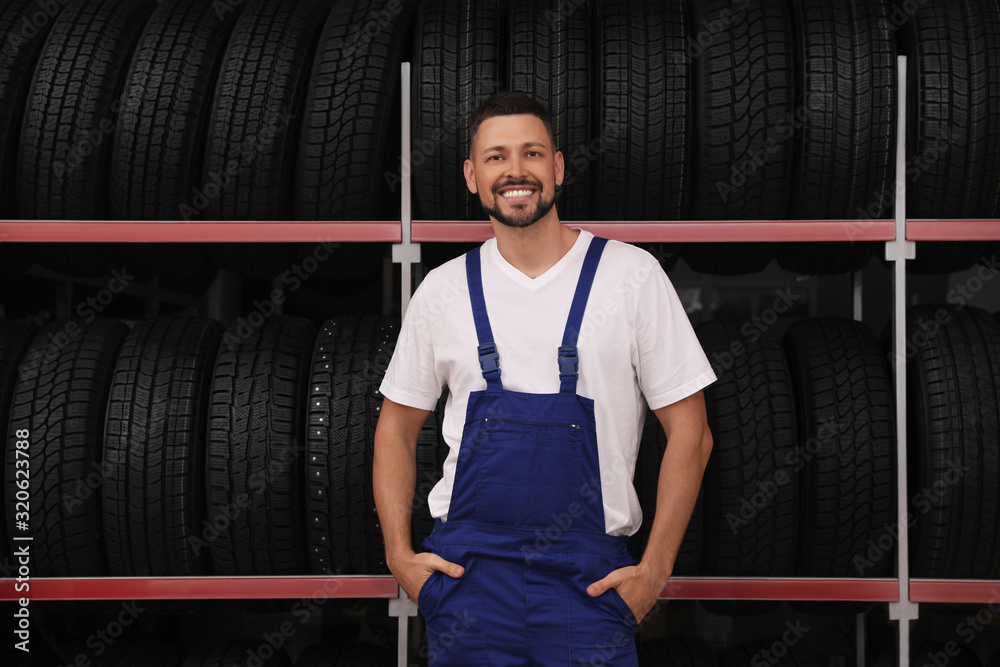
(689, 443)
(394, 477)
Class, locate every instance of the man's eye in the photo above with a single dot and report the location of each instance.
(493, 157)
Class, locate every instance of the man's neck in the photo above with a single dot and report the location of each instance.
(534, 250)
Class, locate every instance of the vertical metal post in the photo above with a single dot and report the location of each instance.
(407, 253)
(898, 251)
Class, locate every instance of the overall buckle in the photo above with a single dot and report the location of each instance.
(569, 363)
(489, 360)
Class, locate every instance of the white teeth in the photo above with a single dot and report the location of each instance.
(515, 194)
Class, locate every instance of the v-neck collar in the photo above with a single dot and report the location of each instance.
(572, 255)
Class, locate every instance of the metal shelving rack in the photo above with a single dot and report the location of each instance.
(901, 593)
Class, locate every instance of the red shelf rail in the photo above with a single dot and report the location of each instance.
(682, 231)
(386, 587)
(199, 232)
(953, 230)
(202, 588)
(955, 590)
(769, 588)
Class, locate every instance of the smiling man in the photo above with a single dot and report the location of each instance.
(552, 342)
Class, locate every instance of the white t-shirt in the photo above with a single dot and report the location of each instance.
(635, 341)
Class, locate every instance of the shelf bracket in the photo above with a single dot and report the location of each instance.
(402, 608)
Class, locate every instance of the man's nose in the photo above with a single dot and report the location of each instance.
(515, 168)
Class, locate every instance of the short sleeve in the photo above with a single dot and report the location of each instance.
(411, 377)
(671, 364)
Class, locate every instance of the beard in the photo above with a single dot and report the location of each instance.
(522, 215)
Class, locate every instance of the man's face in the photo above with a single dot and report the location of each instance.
(515, 169)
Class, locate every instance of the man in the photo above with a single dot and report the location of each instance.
(551, 341)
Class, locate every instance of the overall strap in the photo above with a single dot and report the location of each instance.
(489, 360)
(569, 364)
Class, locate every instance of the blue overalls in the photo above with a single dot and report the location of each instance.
(526, 521)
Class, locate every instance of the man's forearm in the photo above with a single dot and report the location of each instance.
(394, 477)
(676, 494)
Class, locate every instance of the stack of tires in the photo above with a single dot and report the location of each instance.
(708, 110)
(191, 449)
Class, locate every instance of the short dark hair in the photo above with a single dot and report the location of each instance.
(506, 103)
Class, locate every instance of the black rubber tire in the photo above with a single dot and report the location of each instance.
(844, 395)
(348, 118)
(953, 373)
(751, 412)
(14, 341)
(253, 260)
(930, 654)
(255, 446)
(845, 143)
(953, 130)
(548, 49)
(254, 119)
(239, 652)
(457, 64)
(60, 399)
(644, 112)
(153, 500)
(158, 153)
(645, 480)
(432, 450)
(349, 360)
(70, 112)
(21, 42)
(744, 89)
(995, 660)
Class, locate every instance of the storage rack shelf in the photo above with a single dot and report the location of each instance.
(198, 232)
(902, 593)
(385, 587)
(204, 588)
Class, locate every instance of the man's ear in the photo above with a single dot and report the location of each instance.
(560, 164)
(470, 177)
